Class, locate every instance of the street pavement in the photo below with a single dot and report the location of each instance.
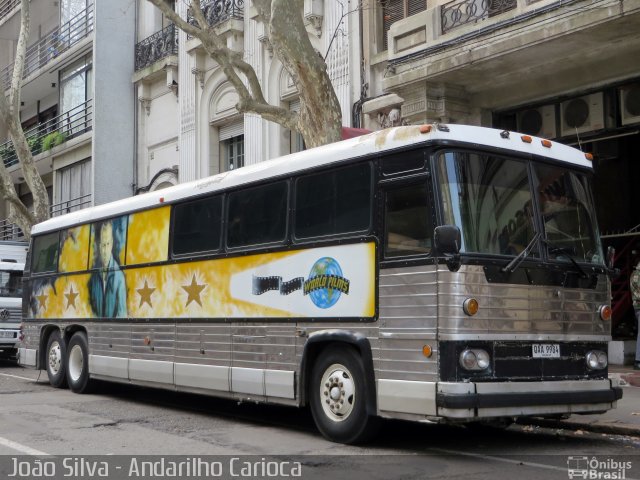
(622, 420)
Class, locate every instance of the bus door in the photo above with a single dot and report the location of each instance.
(407, 292)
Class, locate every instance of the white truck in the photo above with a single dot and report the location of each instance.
(12, 258)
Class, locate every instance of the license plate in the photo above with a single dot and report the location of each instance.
(7, 335)
(546, 350)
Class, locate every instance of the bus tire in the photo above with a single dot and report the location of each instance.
(337, 397)
(56, 360)
(78, 376)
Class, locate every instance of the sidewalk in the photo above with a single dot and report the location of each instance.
(622, 420)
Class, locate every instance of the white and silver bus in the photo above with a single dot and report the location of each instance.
(429, 273)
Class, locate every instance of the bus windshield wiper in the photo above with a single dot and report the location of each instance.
(565, 252)
(515, 263)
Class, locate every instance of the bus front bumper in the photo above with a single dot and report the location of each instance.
(499, 399)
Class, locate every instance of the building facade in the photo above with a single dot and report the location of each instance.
(77, 102)
(140, 105)
(188, 126)
(564, 70)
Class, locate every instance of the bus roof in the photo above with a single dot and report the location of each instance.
(375, 142)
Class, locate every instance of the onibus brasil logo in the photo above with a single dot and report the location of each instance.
(324, 285)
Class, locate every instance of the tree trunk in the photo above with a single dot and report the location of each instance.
(10, 113)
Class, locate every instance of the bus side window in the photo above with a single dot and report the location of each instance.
(197, 226)
(333, 202)
(257, 215)
(45, 253)
(408, 229)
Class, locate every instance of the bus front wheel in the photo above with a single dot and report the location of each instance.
(338, 397)
(56, 360)
(78, 363)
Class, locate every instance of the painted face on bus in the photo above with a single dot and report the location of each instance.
(106, 243)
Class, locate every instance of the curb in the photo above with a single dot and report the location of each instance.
(610, 428)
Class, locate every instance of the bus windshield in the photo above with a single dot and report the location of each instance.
(568, 218)
(489, 197)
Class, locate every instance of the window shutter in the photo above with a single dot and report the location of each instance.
(394, 10)
(232, 130)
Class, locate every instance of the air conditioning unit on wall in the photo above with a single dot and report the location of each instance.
(540, 121)
(630, 104)
(582, 114)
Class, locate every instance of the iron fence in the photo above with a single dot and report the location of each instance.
(52, 133)
(52, 45)
(217, 11)
(10, 231)
(71, 205)
(6, 6)
(156, 47)
(461, 12)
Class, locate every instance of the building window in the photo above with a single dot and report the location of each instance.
(73, 188)
(296, 141)
(69, 9)
(394, 10)
(233, 149)
(75, 86)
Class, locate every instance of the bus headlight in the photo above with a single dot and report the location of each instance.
(596, 360)
(475, 359)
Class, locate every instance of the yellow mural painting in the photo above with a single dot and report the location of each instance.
(220, 288)
(74, 249)
(148, 239)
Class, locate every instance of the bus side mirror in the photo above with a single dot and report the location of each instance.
(447, 240)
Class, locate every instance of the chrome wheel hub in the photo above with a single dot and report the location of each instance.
(337, 392)
(76, 363)
(55, 358)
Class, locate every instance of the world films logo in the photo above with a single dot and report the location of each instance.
(324, 285)
(594, 468)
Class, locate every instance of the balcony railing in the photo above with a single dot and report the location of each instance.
(156, 47)
(6, 6)
(10, 231)
(52, 45)
(71, 205)
(52, 133)
(217, 11)
(460, 12)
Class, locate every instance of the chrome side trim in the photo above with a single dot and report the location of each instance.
(27, 357)
(525, 336)
(407, 396)
(110, 366)
(545, 410)
(526, 387)
(151, 370)
(247, 380)
(279, 383)
(209, 377)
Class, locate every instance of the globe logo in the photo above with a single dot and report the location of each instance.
(325, 284)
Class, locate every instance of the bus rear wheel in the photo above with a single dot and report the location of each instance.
(56, 360)
(78, 364)
(337, 397)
